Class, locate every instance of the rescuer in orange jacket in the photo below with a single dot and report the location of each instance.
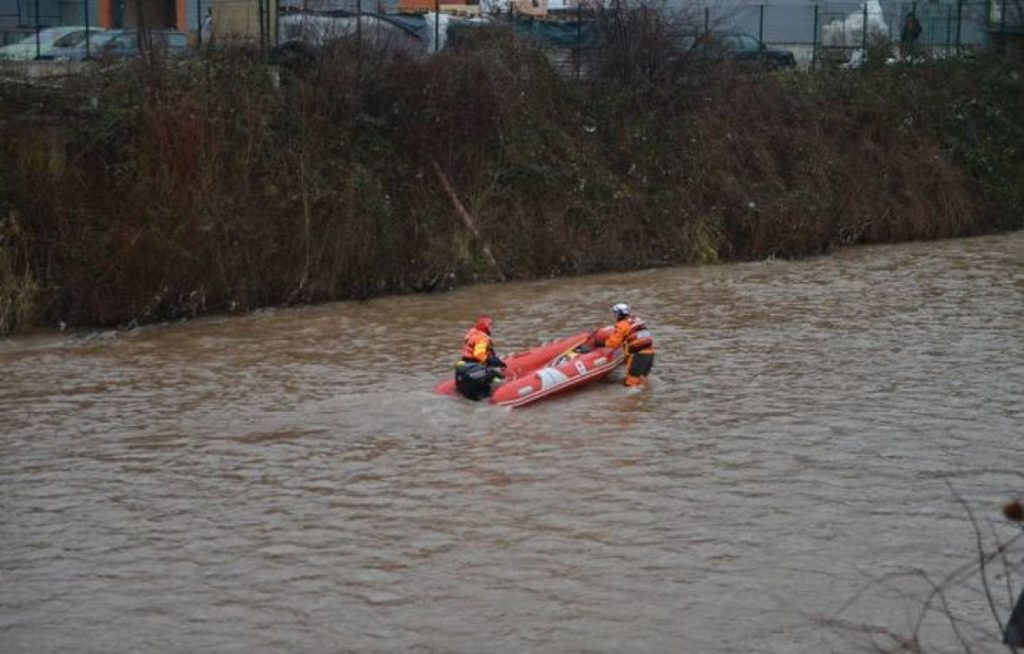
(477, 368)
(631, 334)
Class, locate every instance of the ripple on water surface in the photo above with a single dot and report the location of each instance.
(287, 481)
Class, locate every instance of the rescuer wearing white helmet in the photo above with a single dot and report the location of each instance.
(632, 334)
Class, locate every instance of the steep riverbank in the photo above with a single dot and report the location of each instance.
(159, 192)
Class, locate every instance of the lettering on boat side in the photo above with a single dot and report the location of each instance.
(581, 367)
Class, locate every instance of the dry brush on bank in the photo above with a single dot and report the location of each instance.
(162, 191)
(945, 610)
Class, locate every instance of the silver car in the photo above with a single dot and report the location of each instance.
(124, 44)
(51, 42)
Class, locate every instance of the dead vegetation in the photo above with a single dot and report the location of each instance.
(944, 616)
(171, 189)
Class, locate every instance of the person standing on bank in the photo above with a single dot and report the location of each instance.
(478, 366)
(632, 334)
(206, 30)
(909, 34)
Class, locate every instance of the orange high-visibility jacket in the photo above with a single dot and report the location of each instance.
(632, 332)
(477, 346)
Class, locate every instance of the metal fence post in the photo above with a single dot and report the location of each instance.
(579, 38)
(959, 22)
(437, 25)
(260, 18)
(38, 29)
(814, 40)
(760, 24)
(864, 32)
(85, 6)
(949, 26)
(199, 23)
(707, 21)
(913, 10)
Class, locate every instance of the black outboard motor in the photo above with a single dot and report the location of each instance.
(473, 380)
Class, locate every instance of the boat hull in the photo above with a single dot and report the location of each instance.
(550, 369)
(558, 378)
(527, 361)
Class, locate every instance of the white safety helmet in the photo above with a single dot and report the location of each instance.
(621, 309)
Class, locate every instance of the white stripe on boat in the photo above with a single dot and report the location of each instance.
(575, 381)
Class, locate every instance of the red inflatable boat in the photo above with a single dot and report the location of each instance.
(550, 369)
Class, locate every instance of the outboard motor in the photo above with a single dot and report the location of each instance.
(473, 380)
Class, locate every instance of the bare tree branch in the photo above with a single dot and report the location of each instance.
(981, 555)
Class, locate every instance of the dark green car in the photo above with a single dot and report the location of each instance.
(740, 47)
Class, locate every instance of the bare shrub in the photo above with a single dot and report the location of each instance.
(172, 189)
(994, 575)
(643, 44)
(18, 288)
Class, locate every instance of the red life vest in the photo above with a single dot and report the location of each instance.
(477, 346)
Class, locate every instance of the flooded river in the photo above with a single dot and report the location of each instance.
(286, 480)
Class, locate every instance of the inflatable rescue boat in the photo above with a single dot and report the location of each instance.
(550, 369)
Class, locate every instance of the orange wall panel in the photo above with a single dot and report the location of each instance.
(106, 17)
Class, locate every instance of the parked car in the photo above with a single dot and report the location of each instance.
(124, 44)
(51, 42)
(740, 47)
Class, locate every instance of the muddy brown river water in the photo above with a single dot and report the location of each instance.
(286, 481)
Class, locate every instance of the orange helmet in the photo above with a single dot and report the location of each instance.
(483, 323)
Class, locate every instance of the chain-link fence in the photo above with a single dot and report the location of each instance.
(814, 33)
(833, 30)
